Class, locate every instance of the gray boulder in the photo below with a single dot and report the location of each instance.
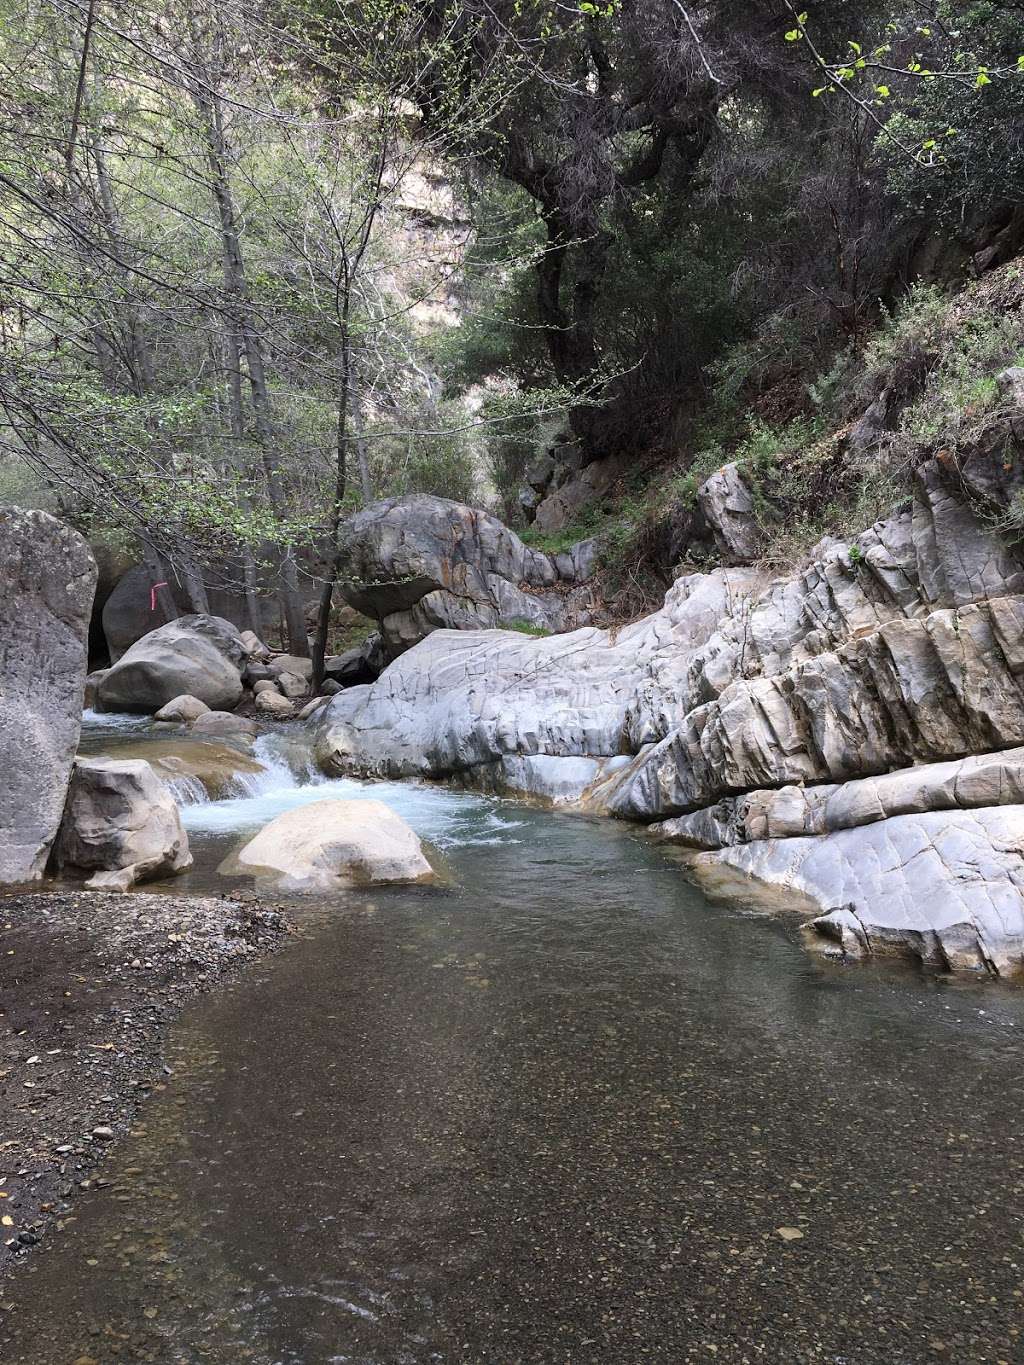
(274, 704)
(198, 655)
(48, 577)
(121, 823)
(421, 563)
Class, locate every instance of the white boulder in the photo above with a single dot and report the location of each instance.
(333, 843)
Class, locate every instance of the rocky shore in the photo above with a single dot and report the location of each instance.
(91, 984)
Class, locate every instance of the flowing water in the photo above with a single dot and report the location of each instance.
(556, 1109)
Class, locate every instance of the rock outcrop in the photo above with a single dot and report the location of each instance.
(421, 563)
(333, 843)
(121, 823)
(760, 715)
(48, 578)
(198, 655)
(946, 887)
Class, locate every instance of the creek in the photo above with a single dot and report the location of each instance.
(555, 1108)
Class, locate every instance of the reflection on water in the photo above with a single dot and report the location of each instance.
(555, 1112)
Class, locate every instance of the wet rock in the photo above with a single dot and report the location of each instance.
(198, 655)
(945, 887)
(122, 823)
(183, 710)
(332, 843)
(48, 577)
(224, 723)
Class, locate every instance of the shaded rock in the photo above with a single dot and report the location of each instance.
(728, 508)
(945, 887)
(332, 843)
(311, 707)
(422, 563)
(564, 506)
(91, 697)
(184, 710)
(129, 612)
(224, 723)
(330, 687)
(273, 704)
(198, 655)
(48, 577)
(253, 645)
(290, 663)
(122, 822)
(257, 673)
(266, 685)
(292, 685)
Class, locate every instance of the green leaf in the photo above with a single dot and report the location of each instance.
(793, 36)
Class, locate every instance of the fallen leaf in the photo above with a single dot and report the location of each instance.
(789, 1234)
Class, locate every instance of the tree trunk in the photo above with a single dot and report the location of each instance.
(251, 345)
(323, 617)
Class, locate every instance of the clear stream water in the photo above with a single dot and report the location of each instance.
(555, 1110)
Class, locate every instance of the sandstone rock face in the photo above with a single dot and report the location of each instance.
(422, 563)
(333, 843)
(48, 578)
(122, 823)
(183, 710)
(946, 887)
(199, 655)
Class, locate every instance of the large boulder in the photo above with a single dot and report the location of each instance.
(422, 563)
(194, 771)
(48, 578)
(198, 655)
(333, 843)
(121, 823)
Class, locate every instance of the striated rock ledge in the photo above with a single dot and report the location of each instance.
(778, 725)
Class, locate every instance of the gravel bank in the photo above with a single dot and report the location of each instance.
(89, 984)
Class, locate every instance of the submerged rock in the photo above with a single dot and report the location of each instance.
(122, 823)
(198, 655)
(333, 843)
(48, 577)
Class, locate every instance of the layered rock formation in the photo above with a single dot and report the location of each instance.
(903, 646)
(48, 577)
(421, 563)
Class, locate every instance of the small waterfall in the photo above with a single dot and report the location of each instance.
(187, 789)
